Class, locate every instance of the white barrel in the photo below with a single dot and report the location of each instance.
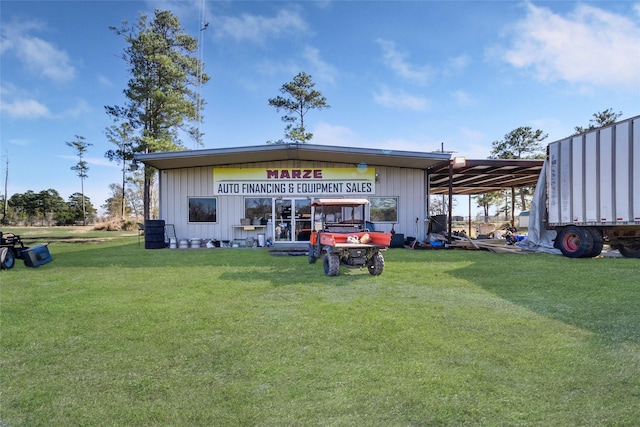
(173, 243)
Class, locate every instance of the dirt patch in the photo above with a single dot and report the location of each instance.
(87, 240)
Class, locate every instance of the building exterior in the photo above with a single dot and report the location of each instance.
(264, 193)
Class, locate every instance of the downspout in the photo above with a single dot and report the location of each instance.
(427, 186)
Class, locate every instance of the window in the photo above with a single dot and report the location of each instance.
(257, 208)
(202, 209)
(383, 209)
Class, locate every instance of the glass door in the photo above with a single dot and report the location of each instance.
(302, 220)
(292, 220)
(282, 220)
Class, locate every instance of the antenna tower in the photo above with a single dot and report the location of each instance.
(203, 26)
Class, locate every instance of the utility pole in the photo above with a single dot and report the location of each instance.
(203, 26)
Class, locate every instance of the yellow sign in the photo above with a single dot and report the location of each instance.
(293, 181)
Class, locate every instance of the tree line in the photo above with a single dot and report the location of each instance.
(47, 207)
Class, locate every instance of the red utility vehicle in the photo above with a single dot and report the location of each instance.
(340, 236)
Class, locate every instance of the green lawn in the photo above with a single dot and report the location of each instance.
(111, 334)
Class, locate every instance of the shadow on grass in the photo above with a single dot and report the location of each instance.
(246, 265)
(128, 253)
(600, 294)
(303, 273)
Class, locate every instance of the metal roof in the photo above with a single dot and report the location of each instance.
(475, 177)
(278, 152)
(485, 175)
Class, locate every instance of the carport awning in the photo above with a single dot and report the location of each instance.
(485, 175)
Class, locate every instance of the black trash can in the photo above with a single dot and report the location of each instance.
(397, 241)
(154, 234)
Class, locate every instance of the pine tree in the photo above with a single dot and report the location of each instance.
(163, 99)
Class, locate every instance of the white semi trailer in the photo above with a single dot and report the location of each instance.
(593, 190)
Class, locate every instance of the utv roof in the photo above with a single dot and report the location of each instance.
(340, 202)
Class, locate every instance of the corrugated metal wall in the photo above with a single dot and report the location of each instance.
(594, 178)
(176, 186)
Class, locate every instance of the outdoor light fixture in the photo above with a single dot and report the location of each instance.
(459, 162)
(133, 166)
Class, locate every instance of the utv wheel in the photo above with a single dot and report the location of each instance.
(575, 242)
(376, 264)
(331, 264)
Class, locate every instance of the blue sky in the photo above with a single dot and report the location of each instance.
(401, 75)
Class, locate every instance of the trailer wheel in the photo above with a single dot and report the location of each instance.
(598, 242)
(630, 251)
(376, 264)
(575, 242)
(331, 264)
(7, 258)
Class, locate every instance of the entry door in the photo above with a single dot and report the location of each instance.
(292, 220)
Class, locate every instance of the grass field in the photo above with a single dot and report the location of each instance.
(111, 334)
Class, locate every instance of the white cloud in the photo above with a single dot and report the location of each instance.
(310, 60)
(257, 29)
(472, 144)
(101, 161)
(401, 100)
(396, 61)
(20, 142)
(42, 57)
(104, 80)
(589, 46)
(463, 98)
(321, 70)
(39, 56)
(457, 64)
(274, 68)
(335, 135)
(326, 134)
(24, 109)
(81, 108)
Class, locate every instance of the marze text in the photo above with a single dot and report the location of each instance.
(294, 173)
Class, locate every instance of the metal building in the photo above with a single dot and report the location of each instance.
(234, 194)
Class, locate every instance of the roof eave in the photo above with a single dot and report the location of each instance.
(280, 152)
